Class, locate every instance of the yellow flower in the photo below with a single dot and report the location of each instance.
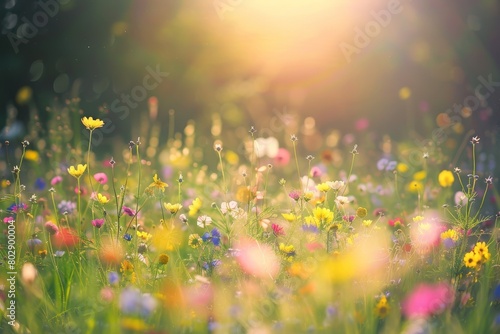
(402, 168)
(481, 249)
(92, 124)
(195, 207)
(158, 184)
(382, 308)
(418, 218)
(288, 251)
(367, 223)
(102, 199)
(308, 196)
(446, 178)
(144, 235)
(415, 186)
(31, 155)
(126, 266)
(134, 324)
(289, 217)
(172, 208)
(323, 187)
(311, 220)
(450, 234)
(323, 215)
(419, 176)
(163, 259)
(471, 259)
(194, 241)
(361, 212)
(78, 171)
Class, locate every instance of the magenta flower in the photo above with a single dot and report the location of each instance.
(277, 230)
(98, 222)
(101, 178)
(427, 300)
(7, 220)
(294, 194)
(55, 180)
(128, 211)
(51, 228)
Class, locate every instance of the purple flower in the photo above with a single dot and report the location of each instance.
(98, 222)
(310, 228)
(32, 243)
(66, 206)
(128, 211)
(133, 302)
(448, 243)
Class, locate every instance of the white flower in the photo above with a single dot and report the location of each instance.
(336, 185)
(341, 200)
(460, 198)
(266, 147)
(204, 221)
(226, 207)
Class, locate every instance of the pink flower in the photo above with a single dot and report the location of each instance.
(101, 178)
(427, 300)
(55, 180)
(294, 194)
(7, 220)
(316, 171)
(257, 259)
(98, 222)
(282, 158)
(82, 191)
(51, 228)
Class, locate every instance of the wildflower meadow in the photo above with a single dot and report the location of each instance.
(242, 233)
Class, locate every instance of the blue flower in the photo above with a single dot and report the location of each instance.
(113, 277)
(127, 237)
(213, 236)
(40, 184)
(496, 293)
(210, 265)
(205, 237)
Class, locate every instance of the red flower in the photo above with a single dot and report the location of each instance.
(65, 238)
(396, 222)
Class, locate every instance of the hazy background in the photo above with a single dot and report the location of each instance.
(243, 59)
